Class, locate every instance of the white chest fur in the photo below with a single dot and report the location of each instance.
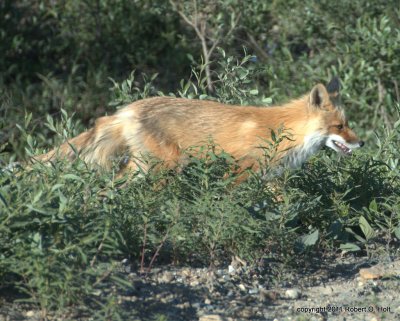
(298, 155)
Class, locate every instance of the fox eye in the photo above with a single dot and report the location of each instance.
(340, 127)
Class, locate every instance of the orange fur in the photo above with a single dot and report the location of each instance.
(166, 128)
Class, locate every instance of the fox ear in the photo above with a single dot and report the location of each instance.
(319, 96)
(334, 87)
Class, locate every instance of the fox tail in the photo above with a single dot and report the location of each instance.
(100, 145)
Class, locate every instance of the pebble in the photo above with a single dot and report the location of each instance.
(30, 314)
(194, 283)
(231, 269)
(246, 312)
(371, 273)
(226, 278)
(211, 317)
(187, 273)
(292, 294)
(242, 287)
(166, 277)
(185, 305)
(253, 291)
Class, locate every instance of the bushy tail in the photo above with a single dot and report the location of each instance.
(100, 145)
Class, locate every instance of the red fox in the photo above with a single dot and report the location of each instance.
(166, 127)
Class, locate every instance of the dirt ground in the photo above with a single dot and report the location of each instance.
(348, 289)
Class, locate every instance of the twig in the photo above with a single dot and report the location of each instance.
(381, 93)
(199, 25)
(257, 47)
(103, 277)
(143, 248)
(396, 89)
(156, 253)
(93, 261)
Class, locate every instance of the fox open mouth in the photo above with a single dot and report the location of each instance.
(344, 149)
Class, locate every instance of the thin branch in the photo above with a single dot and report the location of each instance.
(396, 89)
(156, 253)
(218, 40)
(143, 248)
(198, 22)
(257, 47)
(195, 12)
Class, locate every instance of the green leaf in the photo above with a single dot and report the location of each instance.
(397, 231)
(56, 186)
(349, 247)
(310, 239)
(373, 206)
(366, 228)
(203, 96)
(3, 200)
(37, 197)
(73, 177)
(267, 100)
(358, 237)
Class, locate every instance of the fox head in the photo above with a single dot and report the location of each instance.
(334, 125)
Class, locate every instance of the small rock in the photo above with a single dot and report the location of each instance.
(242, 287)
(226, 278)
(253, 291)
(133, 298)
(246, 313)
(129, 298)
(292, 294)
(211, 317)
(231, 269)
(266, 295)
(186, 273)
(30, 314)
(166, 277)
(194, 283)
(371, 273)
(207, 301)
(185, 305)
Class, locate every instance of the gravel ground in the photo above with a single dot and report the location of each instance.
(335, 292)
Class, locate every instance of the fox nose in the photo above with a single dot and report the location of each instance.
(361, 143)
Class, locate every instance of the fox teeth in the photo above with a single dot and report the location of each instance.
(343, 148)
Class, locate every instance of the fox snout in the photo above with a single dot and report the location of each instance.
(342, 144)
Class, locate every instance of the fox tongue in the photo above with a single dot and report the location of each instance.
(343, 148)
